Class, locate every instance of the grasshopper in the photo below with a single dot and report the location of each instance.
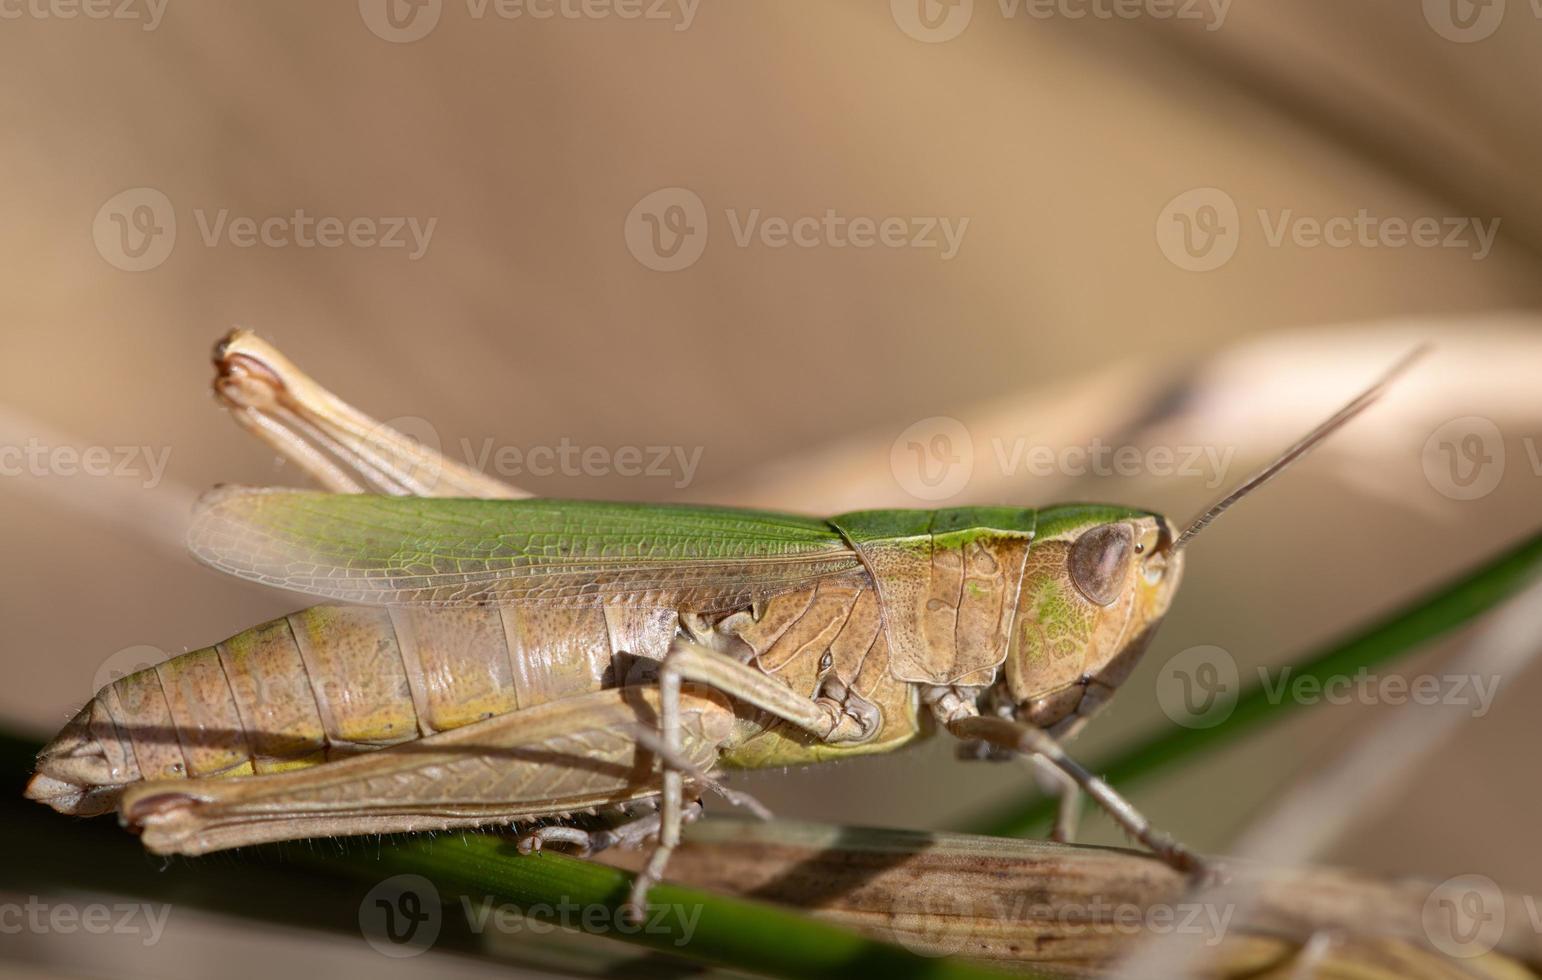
(493, 658)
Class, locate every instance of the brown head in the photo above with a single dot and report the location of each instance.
(1097, 583)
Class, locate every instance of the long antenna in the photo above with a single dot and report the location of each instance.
(1305, 445)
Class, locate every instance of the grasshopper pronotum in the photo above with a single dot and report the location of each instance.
(511, 660)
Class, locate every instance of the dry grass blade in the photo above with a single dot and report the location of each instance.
(1078, 910)
(1362, 781)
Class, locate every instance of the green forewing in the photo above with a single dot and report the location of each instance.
(439, 551)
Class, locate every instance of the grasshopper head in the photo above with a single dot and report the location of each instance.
(1097, 582)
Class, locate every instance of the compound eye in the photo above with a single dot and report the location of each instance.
(1100, 559)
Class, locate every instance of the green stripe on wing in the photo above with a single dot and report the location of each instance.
(443, 551)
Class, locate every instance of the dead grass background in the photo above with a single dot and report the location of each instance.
(527, 321)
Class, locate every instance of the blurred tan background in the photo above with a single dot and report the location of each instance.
(555, 168)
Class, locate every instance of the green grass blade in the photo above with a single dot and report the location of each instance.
(1438, 612)
(759, 938)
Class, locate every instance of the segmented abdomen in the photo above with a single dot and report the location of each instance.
(333, 680)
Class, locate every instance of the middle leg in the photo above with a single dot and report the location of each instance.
(820, 717)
